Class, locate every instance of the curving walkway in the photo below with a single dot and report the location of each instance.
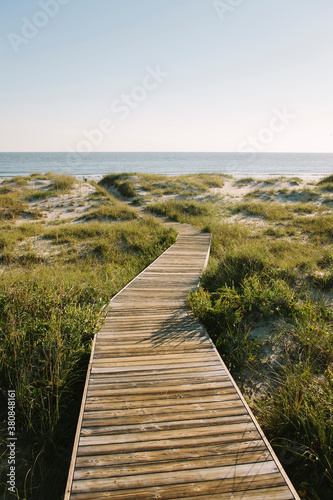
(161, 416)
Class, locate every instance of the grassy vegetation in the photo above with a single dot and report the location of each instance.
(245, 181)
(270, 211)
(38, 194)
(63, 183)
(303, 195)
(59, 184)
(274, 211)
(273, 270)
(11, 234)
(19, 180)
(131, 185)
(11, 205)
(108, 207)
(326, 184)
(55, 280)
(182, 211)
(107, 211)
(318, 228)
(16, 195)
(274, 274)
(48, 316)
(183, 185)
(121, 182)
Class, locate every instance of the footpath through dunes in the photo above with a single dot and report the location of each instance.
(161, 416)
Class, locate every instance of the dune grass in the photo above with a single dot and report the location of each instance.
(108, 211)
(121, 182)
(181, 211)
(15, 194)
(183, 185)
(273, 268)
(326, 184)
(11, 205)
(108, 207)
(269, 211)
(130, 185)
(50, 307)
(245, 181)
(19, 180)
(63, 183)
(274, 274)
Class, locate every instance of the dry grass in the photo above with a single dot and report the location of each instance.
(277, 273)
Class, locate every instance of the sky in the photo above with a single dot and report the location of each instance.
(166, 75)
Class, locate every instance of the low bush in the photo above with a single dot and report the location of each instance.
(121, 182)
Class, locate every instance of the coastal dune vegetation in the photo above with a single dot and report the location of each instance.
(266, 301)
(66, 247)
(56, 278)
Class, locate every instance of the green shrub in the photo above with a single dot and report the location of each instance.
(325, 180)
(121, 182)
(126, 189)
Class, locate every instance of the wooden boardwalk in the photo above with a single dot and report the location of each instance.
(161, 416)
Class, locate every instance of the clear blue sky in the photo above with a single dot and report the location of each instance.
(231, 69)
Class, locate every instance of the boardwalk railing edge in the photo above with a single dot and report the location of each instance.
(208, 255)
(79, 425)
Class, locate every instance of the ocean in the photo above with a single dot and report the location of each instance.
(236, 164)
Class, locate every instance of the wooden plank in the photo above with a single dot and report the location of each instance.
(142, 419)
(100, 427)
(150, 386)
(99, 472)
(104, 389)
(206, 395)
(179, 477)
(153, 376)
(104, 403)
(144, 367)
(220, 408)
(229, 486)
(137, 437)
(170, 358)
(146, 382)
(232, 449)
(162, 444)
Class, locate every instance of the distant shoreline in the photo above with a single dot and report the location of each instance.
(95, 165)
(98, 177)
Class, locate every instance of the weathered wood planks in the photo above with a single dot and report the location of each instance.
(161, 416)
